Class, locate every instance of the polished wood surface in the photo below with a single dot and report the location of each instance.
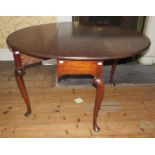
(99, 84)
(74, 41)
(19, 72)
(79, 49)
(94, 68)
(56, 115)
(77, 67)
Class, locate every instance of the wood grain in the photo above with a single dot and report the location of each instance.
(94, 68)
(67, 40)
(127, 110)
(76, 67)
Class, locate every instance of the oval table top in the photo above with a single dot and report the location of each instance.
(69, 40)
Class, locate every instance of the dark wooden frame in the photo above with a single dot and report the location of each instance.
(21, 61)
(94, 68)
(68, 60)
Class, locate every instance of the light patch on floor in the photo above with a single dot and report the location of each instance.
(146, 125)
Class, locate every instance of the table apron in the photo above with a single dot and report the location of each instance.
(78, 67)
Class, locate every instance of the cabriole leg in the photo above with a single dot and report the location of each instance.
(98, 100)
(19, 72)
(99, 84)
(21, 85)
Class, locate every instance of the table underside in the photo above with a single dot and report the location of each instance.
(64, 67)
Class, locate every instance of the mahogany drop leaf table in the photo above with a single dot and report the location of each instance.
(79, 49)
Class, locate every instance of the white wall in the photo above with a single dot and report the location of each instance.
(149, 30)
(64, 18)
(6, 54)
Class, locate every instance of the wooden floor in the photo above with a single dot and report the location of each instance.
(127, 110)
